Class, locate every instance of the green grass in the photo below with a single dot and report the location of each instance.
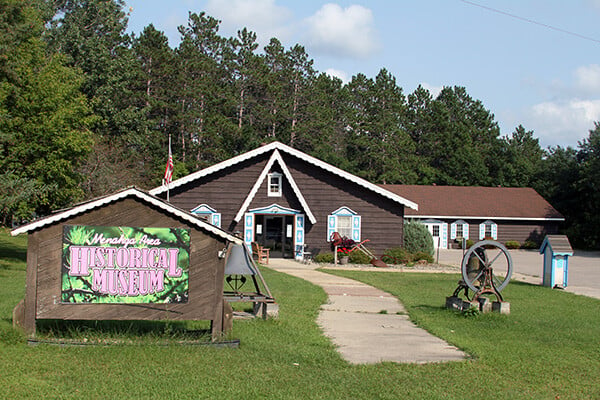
(547, 348)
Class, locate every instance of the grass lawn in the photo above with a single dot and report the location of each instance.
(547, 348)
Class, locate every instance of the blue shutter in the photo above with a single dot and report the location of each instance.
(466, 231)
(249, 230)
(481, 230)
(453, 231)
(216, 219)
(444, 236)
(331, 226)
(299, 236)
(494, 231)
(356, 227)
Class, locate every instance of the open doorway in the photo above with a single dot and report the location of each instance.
(276, 232)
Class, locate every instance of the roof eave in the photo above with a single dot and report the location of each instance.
(296, 153)
(118, 196)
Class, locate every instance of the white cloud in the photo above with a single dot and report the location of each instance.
(561, 122)
(170, 25)
(346, 32)
(434, 90)
(264, 17)
(336, 73)
(587, 79)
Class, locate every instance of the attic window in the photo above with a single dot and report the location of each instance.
(274, 184)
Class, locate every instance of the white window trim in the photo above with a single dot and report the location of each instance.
(454, 230)
(271, 177)
(213, 217)
(493, 229)
(332, 223)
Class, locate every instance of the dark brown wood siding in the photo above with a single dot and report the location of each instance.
(325, 192)
(225, 191)
(205, 276)
(519, 231)
(382, 219)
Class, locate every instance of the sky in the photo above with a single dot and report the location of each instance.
(530, 62)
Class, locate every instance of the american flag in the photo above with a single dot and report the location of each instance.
(169, 168)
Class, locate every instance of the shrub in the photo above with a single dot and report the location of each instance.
(358, 257)
(396, 255)
(529, 245)
(512, 244)
(470, 243)
(324, 258)
(417, 238)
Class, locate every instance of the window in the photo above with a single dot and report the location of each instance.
(345, 222)
(344, 227)
(435, 231)
(459, 230)
(488, 229)
(207, 214)
(274, 184)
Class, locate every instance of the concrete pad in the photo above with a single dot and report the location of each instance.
(366, 291)
(373, 338)
(364, 304)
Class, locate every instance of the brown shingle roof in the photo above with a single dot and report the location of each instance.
(475, 202)
(558, 243)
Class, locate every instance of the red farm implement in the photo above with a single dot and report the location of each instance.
(350, 245)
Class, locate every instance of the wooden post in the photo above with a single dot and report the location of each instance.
(30, 300)
(335, 253)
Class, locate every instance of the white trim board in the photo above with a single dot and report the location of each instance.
(483, 218)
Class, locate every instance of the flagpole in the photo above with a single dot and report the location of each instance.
(168, 180)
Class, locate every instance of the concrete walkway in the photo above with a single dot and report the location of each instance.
(367, 324)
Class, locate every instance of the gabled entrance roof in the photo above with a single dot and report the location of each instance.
(282, 148)
(275, 157)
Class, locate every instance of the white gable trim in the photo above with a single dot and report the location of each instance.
(303, 156)
(349, 176)
(203, 209)
(344, 211)
(275, 157)
(215, 168)
(118, 196)
(274, 209)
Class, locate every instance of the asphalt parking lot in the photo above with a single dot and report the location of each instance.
(583, 273)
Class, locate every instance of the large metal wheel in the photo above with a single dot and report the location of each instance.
(486, 255)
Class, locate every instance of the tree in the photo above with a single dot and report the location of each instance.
(462, 143)
(324, 133)
(156, 96)
(201, 80)
(242, 89)
(379, 145)
(521, 159)
(45, 119)
(91, 34)
(588, 190)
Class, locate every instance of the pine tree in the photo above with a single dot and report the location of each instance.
(44, 119)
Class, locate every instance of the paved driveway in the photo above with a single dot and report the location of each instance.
(584, 268)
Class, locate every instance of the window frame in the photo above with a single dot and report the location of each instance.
(355, 223)
(275, 180)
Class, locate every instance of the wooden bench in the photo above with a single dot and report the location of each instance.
(260, 252)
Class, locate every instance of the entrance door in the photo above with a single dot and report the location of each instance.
(277, 234)
(434, 229)
(439, 233)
